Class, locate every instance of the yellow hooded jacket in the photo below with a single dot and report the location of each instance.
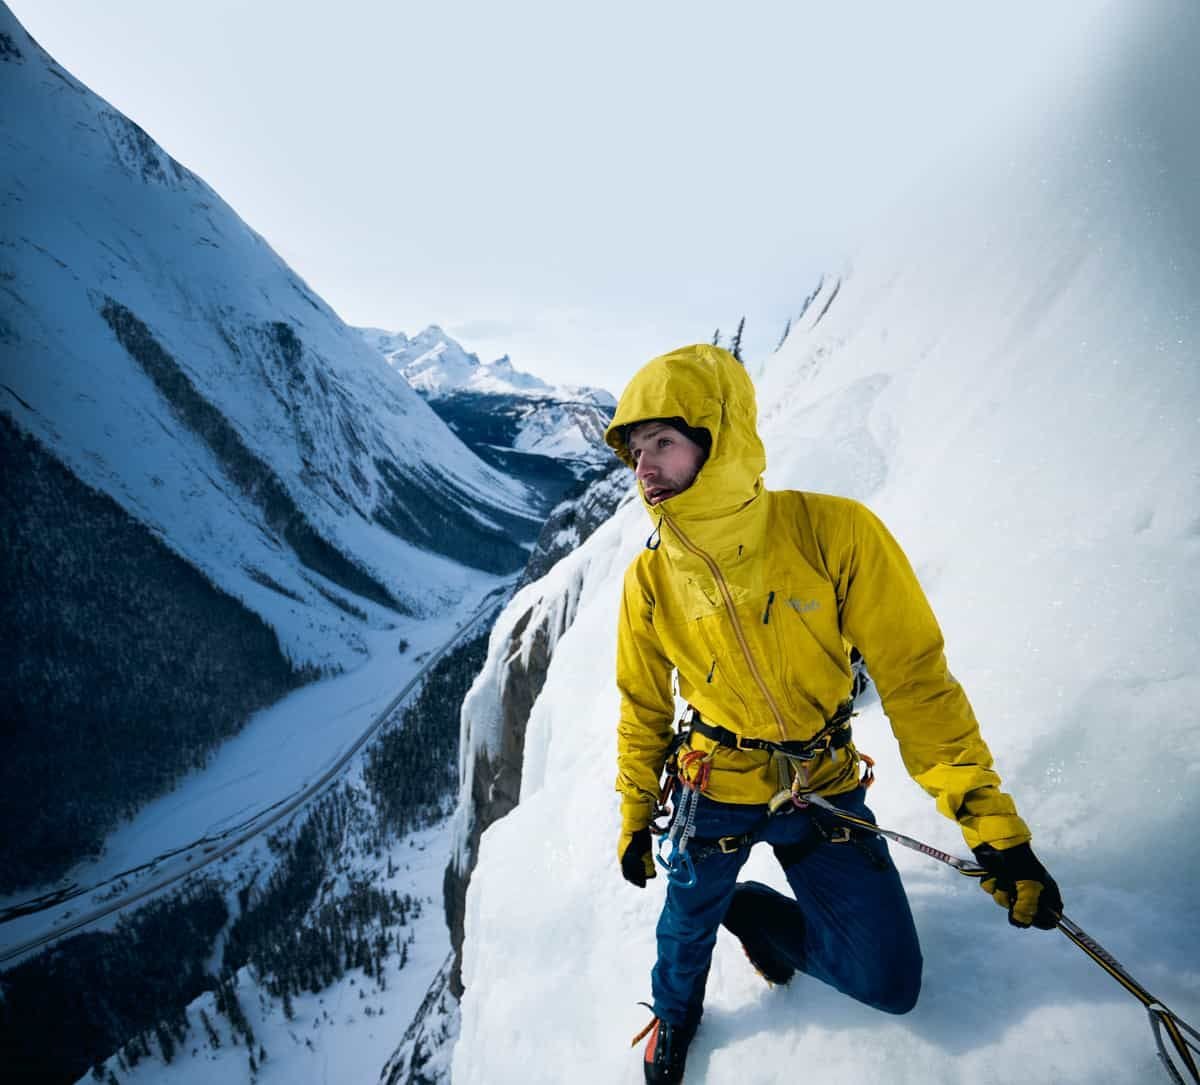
(752, 596)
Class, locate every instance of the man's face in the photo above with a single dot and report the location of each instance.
(667, 461)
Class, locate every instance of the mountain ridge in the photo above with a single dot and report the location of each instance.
(437, 365)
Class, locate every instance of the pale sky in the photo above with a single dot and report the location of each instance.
(579, 186)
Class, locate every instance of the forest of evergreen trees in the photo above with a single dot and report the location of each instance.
(75, 1003)
(125, 666)
(433, 513)
(412, 769)
(298, 938)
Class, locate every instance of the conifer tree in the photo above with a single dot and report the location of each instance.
(735, 348)
(214, 1041)
(166, 1043)
(716, 339)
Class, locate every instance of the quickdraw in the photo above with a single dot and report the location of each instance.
(1182, 1036)
(693, 772)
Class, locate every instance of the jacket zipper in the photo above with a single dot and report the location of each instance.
(733, 618)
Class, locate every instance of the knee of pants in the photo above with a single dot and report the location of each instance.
(898, 992)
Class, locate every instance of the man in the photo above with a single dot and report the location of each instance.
(752, 598)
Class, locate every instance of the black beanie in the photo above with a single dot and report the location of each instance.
(693, 433)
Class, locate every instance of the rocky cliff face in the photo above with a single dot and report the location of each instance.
(495, 715)
(423, 1057)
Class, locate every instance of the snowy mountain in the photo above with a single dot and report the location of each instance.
(1010, 378)
(549, 437)
(214, 490)
(436, 365)
(161, 349)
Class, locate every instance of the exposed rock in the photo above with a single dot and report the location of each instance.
(423, 1057)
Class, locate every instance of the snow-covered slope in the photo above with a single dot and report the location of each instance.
(159, 347)
(496, 712)
(1012, 380)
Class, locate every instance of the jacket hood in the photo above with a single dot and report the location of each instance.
(709, 389)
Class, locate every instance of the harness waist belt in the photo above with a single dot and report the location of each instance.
(835, 735)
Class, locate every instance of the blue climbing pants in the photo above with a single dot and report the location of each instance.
(849, 925)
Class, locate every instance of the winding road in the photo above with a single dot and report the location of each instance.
(210, 848)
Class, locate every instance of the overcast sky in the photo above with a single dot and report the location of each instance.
(580, 186)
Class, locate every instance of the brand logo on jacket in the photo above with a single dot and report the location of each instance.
(803, 606)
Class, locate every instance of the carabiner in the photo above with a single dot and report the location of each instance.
(680, 869)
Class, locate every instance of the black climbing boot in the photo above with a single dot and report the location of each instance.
(752, 910)
(666, 1052)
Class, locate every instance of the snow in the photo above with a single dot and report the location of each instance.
(1009, 376)
(533, 618)
(563, 431)
(336, 1035)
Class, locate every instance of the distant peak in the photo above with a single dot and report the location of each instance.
(436, 365)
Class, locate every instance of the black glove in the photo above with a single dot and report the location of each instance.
(637, 860)
(1021, 884)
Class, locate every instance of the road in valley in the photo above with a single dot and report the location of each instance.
(122, 890)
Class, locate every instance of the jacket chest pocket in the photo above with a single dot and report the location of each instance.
(701, 597)
(799, 630)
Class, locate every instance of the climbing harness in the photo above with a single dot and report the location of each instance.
(1184, 1039)
(834, 736)
(676, 829)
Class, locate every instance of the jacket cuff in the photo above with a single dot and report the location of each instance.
(1001, 831)
(636, 814)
